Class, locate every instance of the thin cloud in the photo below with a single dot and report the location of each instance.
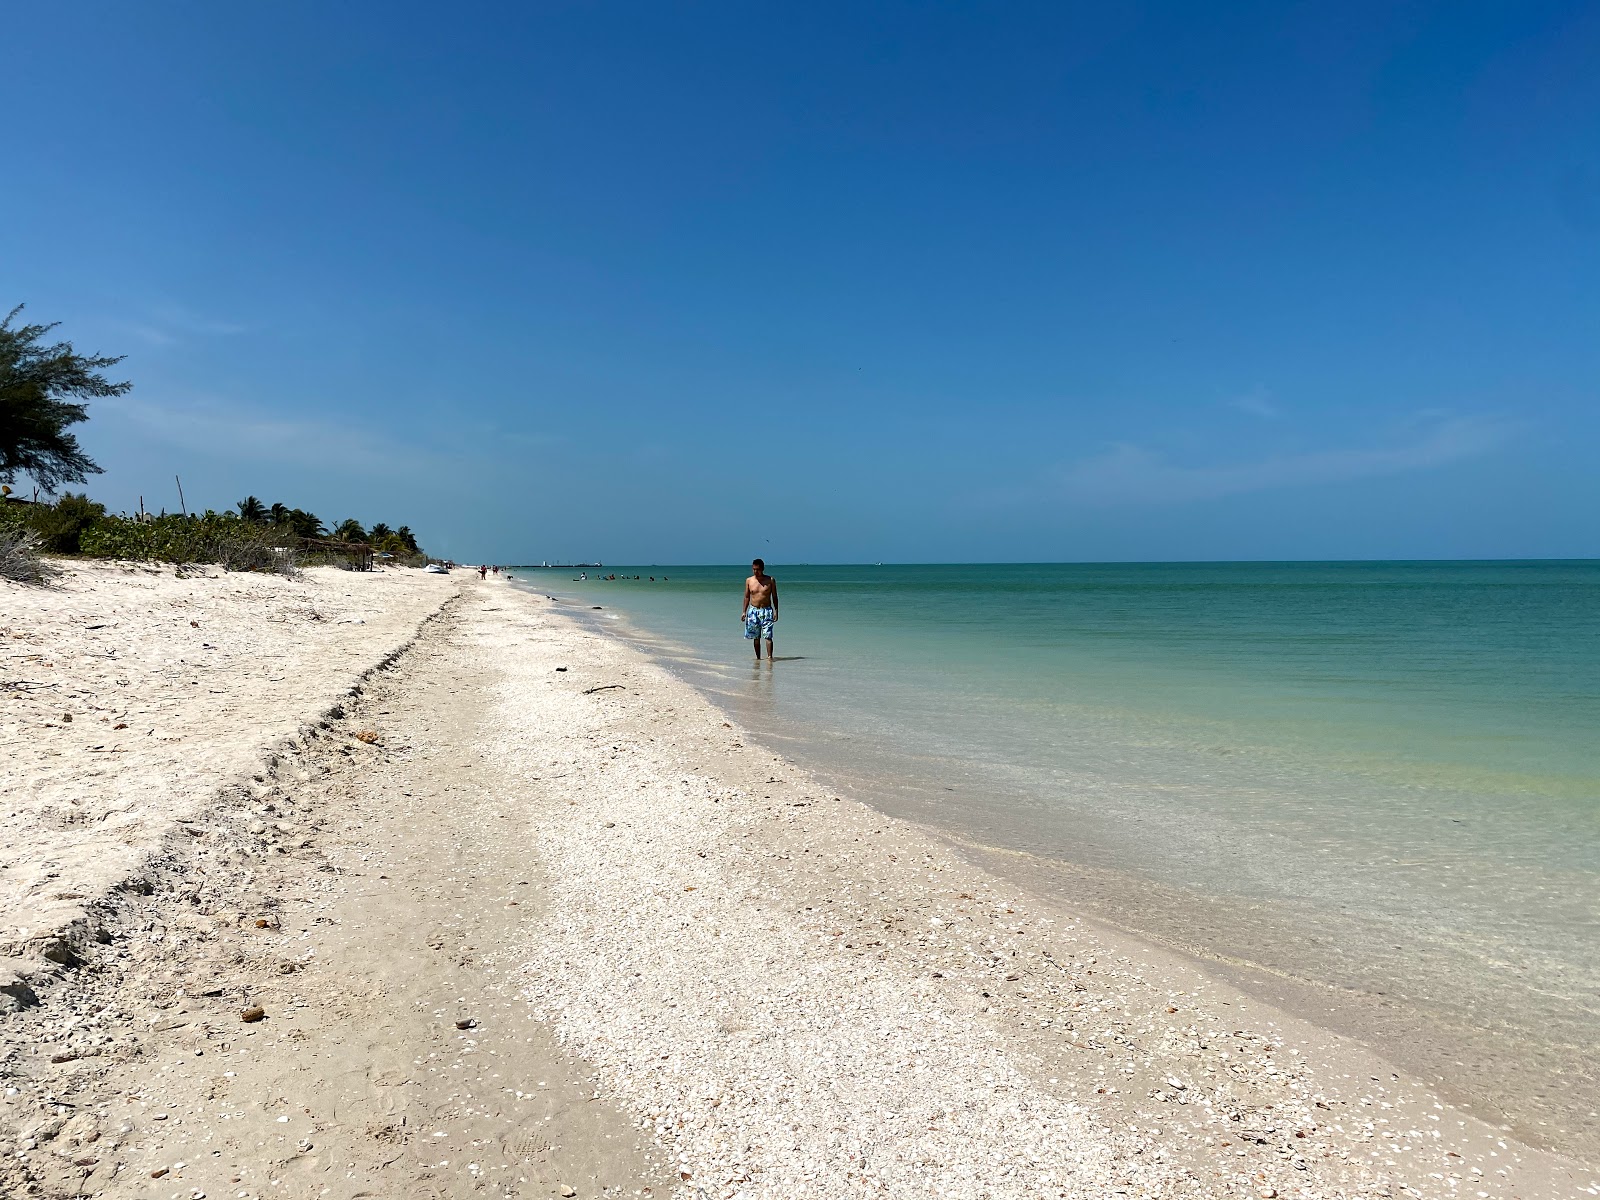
(148, 334)
(1128, 474)
(494, 435)
(172, 324)
(1258, 403)
(230, 431)
(182, 319)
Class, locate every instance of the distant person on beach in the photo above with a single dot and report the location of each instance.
(483, 572)
(760, 611)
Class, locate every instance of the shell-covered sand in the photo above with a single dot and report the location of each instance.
(521, 937)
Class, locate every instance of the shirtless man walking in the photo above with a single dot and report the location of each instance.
(760, 609)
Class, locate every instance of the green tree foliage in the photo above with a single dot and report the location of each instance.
(306, 525)
(379, 533)
(297, 520)
(76, 524)
(252, 510)
(39, 384)
(215, 537)
(61, 525)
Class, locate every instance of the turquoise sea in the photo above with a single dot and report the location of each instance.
(1370, 791)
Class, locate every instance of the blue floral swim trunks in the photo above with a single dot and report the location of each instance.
(758, 623)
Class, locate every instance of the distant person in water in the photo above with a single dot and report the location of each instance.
(760, 611)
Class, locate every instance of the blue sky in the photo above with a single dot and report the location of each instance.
(849, 282)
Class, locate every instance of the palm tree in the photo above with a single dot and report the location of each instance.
(279, 514)
(251, 509)
(307, 525)
(407, 538)
(350, 531)
(378, 532)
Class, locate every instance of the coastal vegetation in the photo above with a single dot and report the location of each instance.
(42, 390)
(44, 387)
(400, 543)
(253, 538)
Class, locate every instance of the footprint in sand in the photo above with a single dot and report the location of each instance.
(389, 1134)
(527, 1145)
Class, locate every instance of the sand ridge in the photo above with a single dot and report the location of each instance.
(356, 894)
(132, 693)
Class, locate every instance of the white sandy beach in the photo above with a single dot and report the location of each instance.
(526, 938)
(132, 694)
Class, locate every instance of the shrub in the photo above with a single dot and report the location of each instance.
(233, 544)
(61, 525)
(77, 525)
(242, 546)
(13, 516)
(172, 538)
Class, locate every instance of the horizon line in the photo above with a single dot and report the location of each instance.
(1074, 562)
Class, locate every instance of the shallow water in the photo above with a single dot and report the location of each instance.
(1376, 782)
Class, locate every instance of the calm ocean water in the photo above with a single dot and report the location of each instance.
(1375, 784)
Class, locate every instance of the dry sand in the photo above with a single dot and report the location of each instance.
(132, 693)
(526, 938)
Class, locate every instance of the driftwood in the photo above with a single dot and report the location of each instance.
(19, 557)
(604, 687)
